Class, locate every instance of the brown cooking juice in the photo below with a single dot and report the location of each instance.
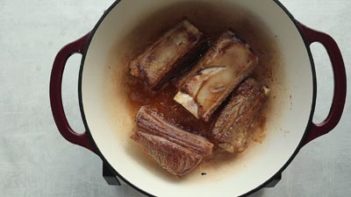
(212, 19)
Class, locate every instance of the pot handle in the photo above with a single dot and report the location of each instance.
(340, 86)
(58, 112)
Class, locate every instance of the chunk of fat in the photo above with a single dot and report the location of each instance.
(196, 87)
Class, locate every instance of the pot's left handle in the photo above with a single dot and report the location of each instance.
(58, 112)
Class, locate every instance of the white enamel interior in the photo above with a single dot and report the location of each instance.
(110, 122)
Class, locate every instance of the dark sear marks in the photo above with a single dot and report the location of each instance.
(209, 83)
(158, 61)
(188, 108)
(174, 149)
(231, 129)
(150, 121)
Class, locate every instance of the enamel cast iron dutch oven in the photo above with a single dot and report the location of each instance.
(108, 123)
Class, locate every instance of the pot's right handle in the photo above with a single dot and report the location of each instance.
(340, 86)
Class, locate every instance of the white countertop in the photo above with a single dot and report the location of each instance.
(36, 161)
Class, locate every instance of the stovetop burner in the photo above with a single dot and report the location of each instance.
(112, 179)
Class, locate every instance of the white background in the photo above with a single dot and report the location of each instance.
(36, 161)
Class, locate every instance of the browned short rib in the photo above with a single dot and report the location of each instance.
(232, 128)
(227, 63)
(158, 61)
(176, 150)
